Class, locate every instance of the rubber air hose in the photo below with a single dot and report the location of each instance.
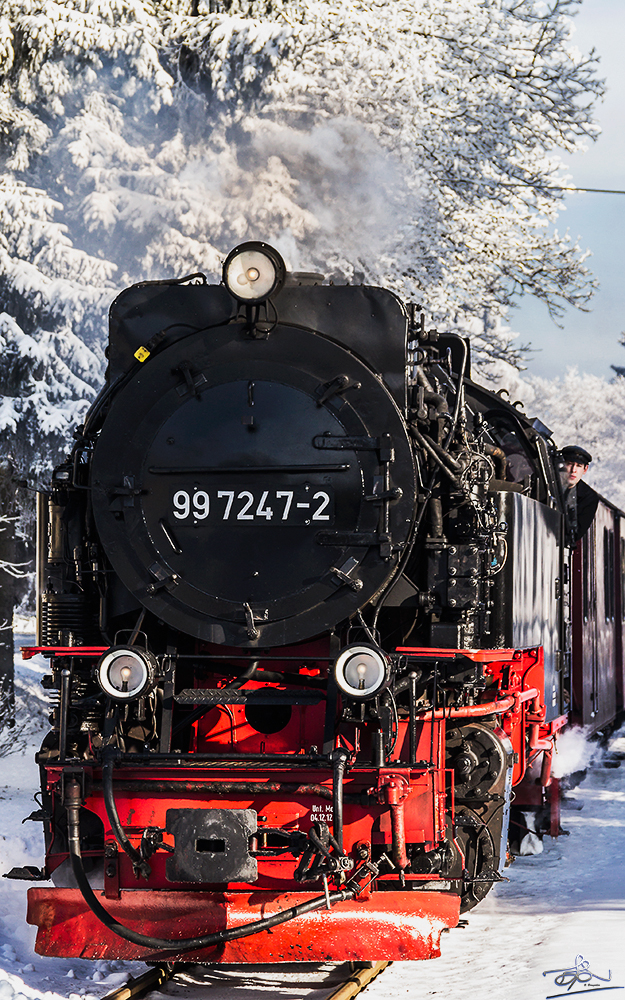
(135, 856)
(73, 803)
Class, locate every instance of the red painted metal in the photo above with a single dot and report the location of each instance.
(483, 708)
(545, 773)
(386, 809)
(29, 651)
(517, 679)
(555, 799)
(477, 655)
(142, 801)
(390, 926)
(470, 711)
(393, 790)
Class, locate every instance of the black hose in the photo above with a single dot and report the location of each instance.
(499, 457)
(424, 381)
(247, 675)
(72, 802)
(427, 444)
(340, 760)
(440, 403)
(429, 395)
(440, 451)
(135, 856)
(435, 508)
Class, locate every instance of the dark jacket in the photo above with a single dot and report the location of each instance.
(582, 502)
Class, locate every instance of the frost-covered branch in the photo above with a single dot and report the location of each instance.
(415, 146)
(18, 571)
(581, 409)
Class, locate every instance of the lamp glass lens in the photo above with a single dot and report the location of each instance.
(123, 674)
(360, 672)
(364, 671)
(250, 275)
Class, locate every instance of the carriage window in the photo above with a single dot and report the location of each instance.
(608, 574)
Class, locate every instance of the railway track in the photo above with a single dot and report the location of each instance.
(356, 977)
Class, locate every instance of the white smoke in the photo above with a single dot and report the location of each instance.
(573, 752)
(356, 191)
(330, 197)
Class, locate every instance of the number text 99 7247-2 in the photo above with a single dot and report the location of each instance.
(301, 505)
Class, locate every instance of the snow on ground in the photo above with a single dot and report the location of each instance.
(567, 902)
(23, 974)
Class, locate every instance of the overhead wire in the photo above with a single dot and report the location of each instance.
(544, 188)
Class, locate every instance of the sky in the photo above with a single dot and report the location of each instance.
(590, 341)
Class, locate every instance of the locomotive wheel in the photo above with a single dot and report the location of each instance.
(478, 759)
(476, 843)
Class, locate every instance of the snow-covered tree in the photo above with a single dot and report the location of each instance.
(54, 288)
(414, 146)
(581, 409)
(50, 320)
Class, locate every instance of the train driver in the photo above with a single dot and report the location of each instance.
(581, 499)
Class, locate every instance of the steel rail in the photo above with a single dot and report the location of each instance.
(150, 980)
(355, 983)
(160, 974)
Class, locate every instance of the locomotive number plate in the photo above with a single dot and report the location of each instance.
(301, 505)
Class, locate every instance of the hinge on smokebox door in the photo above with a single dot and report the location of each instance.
(192, 382)
(361, 442)
(343, 574)
(382, 492)
(362, 539)
(336, 387)
(251, 617)
(164, 579)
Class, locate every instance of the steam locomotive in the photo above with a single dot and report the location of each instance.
(305, 592)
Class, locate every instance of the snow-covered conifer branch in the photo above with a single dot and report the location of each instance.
(415, 146)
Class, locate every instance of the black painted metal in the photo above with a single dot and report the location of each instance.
(211, 845)
(598, 670)
(200, 571)
(370, 322)
(262, 696)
